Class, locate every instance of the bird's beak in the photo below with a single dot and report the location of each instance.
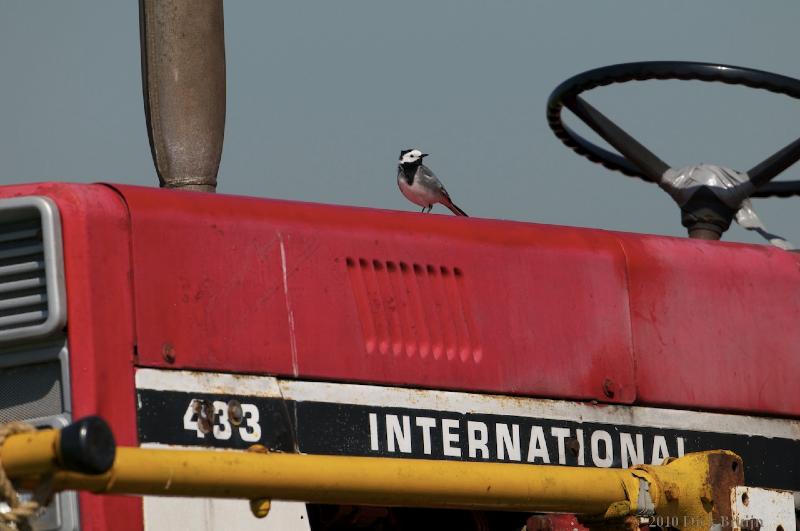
(423, 155)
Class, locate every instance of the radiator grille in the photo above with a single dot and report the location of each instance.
(31, 391)
(23, 285)
(34, 361)
(31, 271)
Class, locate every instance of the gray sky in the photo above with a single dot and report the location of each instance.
(322, 96)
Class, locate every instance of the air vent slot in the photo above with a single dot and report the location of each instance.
(31, 271)
(23, 285)
(413, 310)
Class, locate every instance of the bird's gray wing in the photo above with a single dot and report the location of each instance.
(428, 179)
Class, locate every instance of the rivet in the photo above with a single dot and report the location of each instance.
(168, 352)
(235, 413)
(206, 415)
(609, 388)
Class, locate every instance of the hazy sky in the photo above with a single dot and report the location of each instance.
(322, 96)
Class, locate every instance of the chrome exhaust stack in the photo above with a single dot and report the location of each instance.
(183, 78)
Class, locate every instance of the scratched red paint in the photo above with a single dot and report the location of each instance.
(260, 286)
(547, 306)
(239, 284)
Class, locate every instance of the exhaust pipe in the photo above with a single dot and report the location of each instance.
(183, 78)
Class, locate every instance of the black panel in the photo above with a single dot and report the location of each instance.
(161, 420)
(346, 429)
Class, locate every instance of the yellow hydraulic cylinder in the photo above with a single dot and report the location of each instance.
(689, 486)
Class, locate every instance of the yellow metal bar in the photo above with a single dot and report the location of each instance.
(358, 480)
(694, 486)
(30, 454)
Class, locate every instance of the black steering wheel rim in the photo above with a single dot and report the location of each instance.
(647, 165)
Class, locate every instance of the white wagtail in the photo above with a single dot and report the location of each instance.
(420, 185)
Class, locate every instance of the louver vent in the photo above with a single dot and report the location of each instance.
(414, 310)
(23, 285)
(31, 276)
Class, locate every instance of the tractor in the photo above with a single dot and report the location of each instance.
(392, 370)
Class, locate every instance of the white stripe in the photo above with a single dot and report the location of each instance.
(207, 382)
(370, 395)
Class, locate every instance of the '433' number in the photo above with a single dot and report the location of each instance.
(204, 416)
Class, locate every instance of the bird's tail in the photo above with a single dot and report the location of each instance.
(454, 209)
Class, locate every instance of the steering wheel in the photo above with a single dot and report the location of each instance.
(709, 196)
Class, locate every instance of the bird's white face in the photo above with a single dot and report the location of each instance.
(410, 156)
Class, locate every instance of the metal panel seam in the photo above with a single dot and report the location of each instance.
(132, 276)
(631, 339)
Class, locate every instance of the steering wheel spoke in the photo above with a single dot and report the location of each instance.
(648, 163)
(764, 171)
(599, 155)
(778, 189)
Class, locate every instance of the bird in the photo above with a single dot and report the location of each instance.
(420, 185)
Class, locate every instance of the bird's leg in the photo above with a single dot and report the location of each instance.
(423, 210)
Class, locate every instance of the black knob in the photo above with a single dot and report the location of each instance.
(88, 446)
